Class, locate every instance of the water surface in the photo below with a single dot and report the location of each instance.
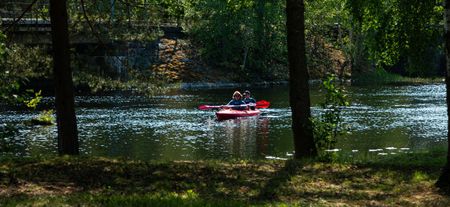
(382, 120)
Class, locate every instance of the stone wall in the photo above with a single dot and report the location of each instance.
(114, 59)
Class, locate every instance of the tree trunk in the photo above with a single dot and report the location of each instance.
(64, 95)
(444, 179)
(260, 52)
(298, 80)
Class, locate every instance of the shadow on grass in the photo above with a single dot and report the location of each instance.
(397, 180)
(96, 180)
(211, 180)
(279, 179)
(306, 182)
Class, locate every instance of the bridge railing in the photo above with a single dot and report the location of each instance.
(13, 9)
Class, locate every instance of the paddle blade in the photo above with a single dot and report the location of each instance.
(263, 104)
(206, 107)
(203, 107)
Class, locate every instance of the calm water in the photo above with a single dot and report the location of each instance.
(383, 120)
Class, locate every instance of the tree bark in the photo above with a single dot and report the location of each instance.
(444, 179)
(298, 80)
(64, 95)
(260, 51)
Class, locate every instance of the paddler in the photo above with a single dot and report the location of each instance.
(237, 101)
(249, 100)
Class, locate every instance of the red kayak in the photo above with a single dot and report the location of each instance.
(232, 114)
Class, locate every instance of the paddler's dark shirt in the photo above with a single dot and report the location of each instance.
(237, 102)
(250, 101)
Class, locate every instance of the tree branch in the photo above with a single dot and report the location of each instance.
(90, 23)
(21, 16)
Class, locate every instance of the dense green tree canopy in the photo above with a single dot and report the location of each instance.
(240, 35)
(400, 33)
(248, 37)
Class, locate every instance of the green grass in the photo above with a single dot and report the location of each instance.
(398, 180)
(385, 78)
(189, 198)
(431, 158)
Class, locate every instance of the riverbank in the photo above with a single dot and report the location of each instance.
(381, 77)
(400, 180)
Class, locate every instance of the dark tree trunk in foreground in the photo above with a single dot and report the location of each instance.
(64, 95)
(444, 179)
(298, 80)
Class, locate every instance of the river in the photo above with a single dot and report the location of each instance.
(382, 120)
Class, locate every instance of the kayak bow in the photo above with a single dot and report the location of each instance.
(232, 114)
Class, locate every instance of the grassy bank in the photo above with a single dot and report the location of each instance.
(381, 77)
(401, 180)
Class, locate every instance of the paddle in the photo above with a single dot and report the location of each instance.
(263, 104)
(206, 107)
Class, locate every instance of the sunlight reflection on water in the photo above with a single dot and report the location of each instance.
(390, 118)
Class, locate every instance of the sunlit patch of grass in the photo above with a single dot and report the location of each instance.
(419, 176)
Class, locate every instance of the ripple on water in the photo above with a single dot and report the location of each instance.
(171, 126)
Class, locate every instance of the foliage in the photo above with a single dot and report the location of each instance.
(400, 33)
(32, 103)
(328, 41)
(328, 125)
(253, 40)
(19, 64)
(121, 24)
(44, 118)
(25, 62)
(247, 37)
(124, 20)
(8, 83)
(2, 46)
(137, 83)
